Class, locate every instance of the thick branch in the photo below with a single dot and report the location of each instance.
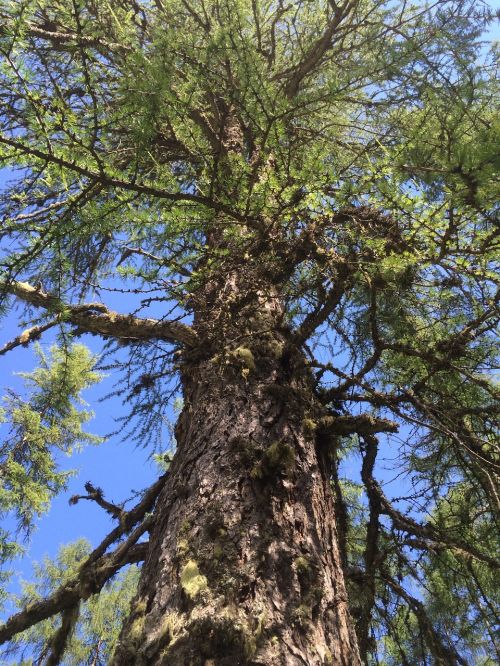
(97, 318)
(129, 519)
(364, 424)
(97, 495)
(97, 569)
(315, 54)
(320, 314)
(28, 336)
(65, 37)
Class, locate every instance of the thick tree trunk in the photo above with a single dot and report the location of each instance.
(244, 564)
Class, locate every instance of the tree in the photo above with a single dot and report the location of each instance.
(296, 204)
(100, 617)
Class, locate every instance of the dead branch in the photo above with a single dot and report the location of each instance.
(97, 569)
(28, 336)
(96, 495)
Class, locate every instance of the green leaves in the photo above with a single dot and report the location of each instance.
(459, 593)
(100, 619)
(42, 426)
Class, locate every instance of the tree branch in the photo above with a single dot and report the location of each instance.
(407, 524)
(105, 179)
(317, 51)
(28, 336)
(61, 637)
(320, 314)
(444, 654)
(129, 519)
(97, 318)
(364, 424)
(97, 569)
(62, 38)
(96, 495)
(371, 552)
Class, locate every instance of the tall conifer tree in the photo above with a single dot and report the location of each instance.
(296, 203)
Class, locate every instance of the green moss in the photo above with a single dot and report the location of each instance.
(140, 607)
(245, 356)
(315, 595)
(182, 547)
(309, 427)
(311, 587)
(250, 646)
(185, 527)
(280, 454)
(261, 623)
(220, 638)
(171, 626)
(170, 630)
(183, 543)
(328, 658)
(275, 349)
(137, 628)
(278, 457)
(134, 638)
(302, 615)
(302, 564)
(192, 582)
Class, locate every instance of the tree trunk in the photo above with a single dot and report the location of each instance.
(244, 564)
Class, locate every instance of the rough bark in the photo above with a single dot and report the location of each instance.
(244, 564)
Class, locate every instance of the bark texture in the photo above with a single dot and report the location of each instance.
(244, 564)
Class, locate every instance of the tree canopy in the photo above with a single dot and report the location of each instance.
(343, 155)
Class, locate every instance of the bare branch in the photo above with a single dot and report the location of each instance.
(130, 518)
(28, 336)
(97, 569)
(69, 595)
(62, 38)
(96, 495)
